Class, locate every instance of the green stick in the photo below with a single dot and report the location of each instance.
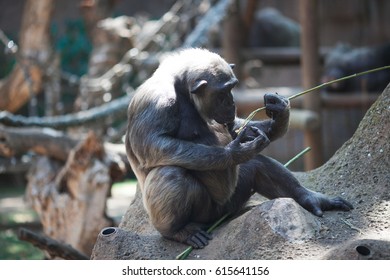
(251, 115)
(297, 156)
(183, 255)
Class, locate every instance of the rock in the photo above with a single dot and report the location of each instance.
(118, 244)
(269, 225)
(288, 219)
(361, 249)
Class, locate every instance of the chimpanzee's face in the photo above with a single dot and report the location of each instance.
(214, 98)
(224, 109)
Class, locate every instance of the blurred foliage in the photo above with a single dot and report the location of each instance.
(74, 47)
(11, 217)
(14, 249)
(7, 60)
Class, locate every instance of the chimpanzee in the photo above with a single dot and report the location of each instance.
(192, 166)
(344, 60)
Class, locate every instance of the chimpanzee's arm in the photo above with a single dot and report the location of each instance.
(151, 139)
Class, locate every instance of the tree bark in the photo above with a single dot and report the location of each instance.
(48, 142)
(51, 246)
(34, 51)
(16, 142)
(71, 200)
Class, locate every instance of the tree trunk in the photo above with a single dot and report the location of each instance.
(71, 200)
(25, 79)
(111, 39)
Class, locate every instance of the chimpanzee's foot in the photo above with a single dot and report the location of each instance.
(317, 203)
(199, 239)
(192, 235)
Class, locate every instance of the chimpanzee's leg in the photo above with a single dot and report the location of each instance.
(179, 207)
(271, 179)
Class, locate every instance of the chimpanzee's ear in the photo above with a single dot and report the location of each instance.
(232, 65)
(198, 86)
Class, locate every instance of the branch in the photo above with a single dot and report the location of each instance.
(17, 141)
(115, 109)
(213, 16)
(53, 247)
(57, 145)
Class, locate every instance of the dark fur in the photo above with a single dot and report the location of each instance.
(191, 165)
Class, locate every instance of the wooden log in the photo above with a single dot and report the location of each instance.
(56, 145)
(52, 247)
(310, 74)
(115, 109)
(16, 142)
(70, 199)
(35, 50)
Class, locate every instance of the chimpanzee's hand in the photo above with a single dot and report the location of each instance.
(247, 144)
(275, 104)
